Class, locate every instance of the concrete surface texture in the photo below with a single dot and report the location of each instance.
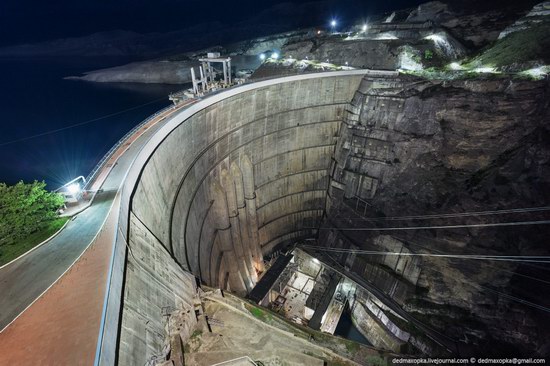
(287, 130)
(152, 278)
(221, 184)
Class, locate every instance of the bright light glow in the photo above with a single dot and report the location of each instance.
(333, 23)
(315, 260)
(365, 27)
(274, 55)
(262, 56)
(384, 36)
(538, 72)
(74, 188)
(435, 37)
(485, 69)
(455, 66)
(443, 45)
(408, 61)
(318, 32)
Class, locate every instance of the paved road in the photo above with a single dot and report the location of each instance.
(24, 280)
(437, 337)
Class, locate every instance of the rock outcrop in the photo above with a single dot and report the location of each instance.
(417, 147)
(538, 15)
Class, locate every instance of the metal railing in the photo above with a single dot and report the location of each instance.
(122, 141)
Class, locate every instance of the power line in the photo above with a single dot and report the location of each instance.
(411, 243)
(408, 241)
(452, 215)
(79, 124)
(510, 258)
(390, 299)
(478, 287)
(497, 224)
(513, 298)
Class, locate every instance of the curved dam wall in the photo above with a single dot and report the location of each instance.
(221, 184)
(279, 139)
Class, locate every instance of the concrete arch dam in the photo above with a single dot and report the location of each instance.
(220, 185)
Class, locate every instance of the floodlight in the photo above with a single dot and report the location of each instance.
(74, 188)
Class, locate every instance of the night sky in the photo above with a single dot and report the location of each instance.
(57, 103)
(30, 21)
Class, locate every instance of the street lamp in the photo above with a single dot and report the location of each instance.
(365, 27)
(274, 55)
(262, 56)
(72, 191)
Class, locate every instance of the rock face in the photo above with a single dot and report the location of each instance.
(475, 25)
(417, 147)
(357, 53)
(538, 15)
(434, 11)
(521, 46)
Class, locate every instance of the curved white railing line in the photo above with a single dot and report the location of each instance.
(123, 139)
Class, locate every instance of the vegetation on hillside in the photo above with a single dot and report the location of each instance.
(519, 47)
(524, 54)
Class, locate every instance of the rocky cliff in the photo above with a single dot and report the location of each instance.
(417, 147)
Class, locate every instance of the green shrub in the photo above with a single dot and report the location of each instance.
(26, 209)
